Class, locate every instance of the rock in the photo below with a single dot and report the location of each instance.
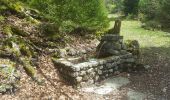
(88, 49)
(62, 97)
(123, 52)
(117, 46)
(114, 52)
(100, 72)
(77, 68)
(130, 60)
(62, 53)
(111, 37)
(83, 84)
(123, 46)
(9, 77)
(91, 81)
(90, 70)
(79, 79)
(109, 65)
(92, 74)
(72, 52)
(147, 66)
(83, 51)
(75, 74)
(85, 78)
(83, 73)
(111, 70)
(96, 78)
(100, 67)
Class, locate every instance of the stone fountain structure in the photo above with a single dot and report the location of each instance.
(111, 58)
(111, 43)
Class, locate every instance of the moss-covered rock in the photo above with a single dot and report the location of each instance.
(19, 31)
(9, 76)
(133, 47)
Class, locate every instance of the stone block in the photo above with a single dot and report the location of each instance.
(111, 37)
(100, 72)
(83, 73)
(90, 70)
(111, 70)
(101, 67)
(79, 79)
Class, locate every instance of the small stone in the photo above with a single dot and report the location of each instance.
(109, 65)
(101, 62)
(100, 67)
(97, 78)
(85, 78)
(106, 75)
(117, 72)
(100, 72)
(124, 47)
(90, 70)
(111, 70)
(88, 49)
(77, 67)
(130, 60)
(82, 73)
(62, 53)
(114, 64)
(75, 74)
(72, 52)
(123, 52)
(79, 79)
(121, 41)
(62, 97)
(92, 74)
(117, 46)
(114, 52)
(83, 84)
(147, 66)
(90, 81)
(94, 63)
(83, 51)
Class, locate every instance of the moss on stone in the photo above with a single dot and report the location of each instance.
(19, 31)
(7, 30)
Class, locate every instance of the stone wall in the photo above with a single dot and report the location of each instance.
(92, 70)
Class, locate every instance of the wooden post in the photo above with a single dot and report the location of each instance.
(116, 29)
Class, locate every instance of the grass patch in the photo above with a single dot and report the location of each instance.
(151, 42)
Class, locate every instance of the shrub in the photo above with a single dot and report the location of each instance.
(165, 14)
(149, 8)
(131, 7)
(86, 13)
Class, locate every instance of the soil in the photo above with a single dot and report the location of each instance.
(155, 82)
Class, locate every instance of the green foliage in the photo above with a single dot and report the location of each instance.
(130, 7)
(155, 13)
(13, 5)
(152, 25)
(7, 30)
(67, 27)
(86, 13)
(150, 8)
(165, 13)
(114, 6)
(49, 29)
(2, 18)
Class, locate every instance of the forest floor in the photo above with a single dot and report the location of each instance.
(155, 52)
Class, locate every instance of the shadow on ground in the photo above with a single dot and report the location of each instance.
(156, 81)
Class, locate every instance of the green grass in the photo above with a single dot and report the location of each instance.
(151, 42)
(146, 38)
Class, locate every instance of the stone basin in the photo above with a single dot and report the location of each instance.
(89, 71)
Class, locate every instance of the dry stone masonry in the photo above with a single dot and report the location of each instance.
(112, 57)
(92, 70)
